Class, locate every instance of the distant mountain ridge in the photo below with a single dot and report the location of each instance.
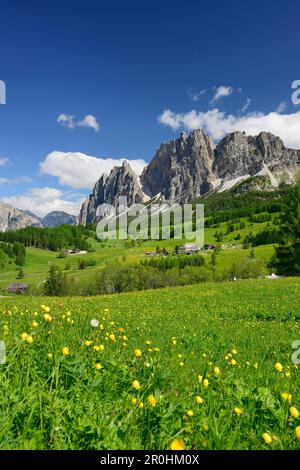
(14, 219)
(55, 218)
(192, 166)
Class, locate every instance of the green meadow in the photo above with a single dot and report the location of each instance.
(207, 366)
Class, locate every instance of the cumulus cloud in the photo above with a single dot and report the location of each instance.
(69, 121)
(221, 92)
(217, 123)
(41, 201)
(3, 161)
(79, 170)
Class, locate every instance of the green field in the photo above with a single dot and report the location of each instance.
(231, 334)
(38, 261)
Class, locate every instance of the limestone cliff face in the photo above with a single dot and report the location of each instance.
(238, 154)
(122, 181)
(191, 166)
(181, 169)
(13, 219)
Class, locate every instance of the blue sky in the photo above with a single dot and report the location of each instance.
(141, 71)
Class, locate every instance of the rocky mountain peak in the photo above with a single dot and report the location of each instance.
(122, 181)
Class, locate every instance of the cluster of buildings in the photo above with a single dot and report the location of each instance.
(182, 250)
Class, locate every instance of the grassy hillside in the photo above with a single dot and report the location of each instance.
(194, 364)
(38, 260)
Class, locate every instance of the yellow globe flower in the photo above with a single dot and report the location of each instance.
(34, 324)
(24, 335)
(297, 432)
(238, 410)
(217, 371)
(47, 309)
(233, 362)
(267, 438)
(49, 355)
(294, 412)
(286, 396)
(47, 317)
(199, 400)
(190, 413)
(200, 378)
(152, 400)
(66, 351)
(234, 351)
(134, 401)
(278, 367)
(141, 405)
(137, 353)
(29, 339)
(181, 364)
(205, 383)
(88, 343)
(177, 444)
(136, 384)
(98, 366)
(96, 348)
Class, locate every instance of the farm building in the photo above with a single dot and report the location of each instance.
(189, 249)
(17, 288)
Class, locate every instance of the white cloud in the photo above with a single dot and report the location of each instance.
(89, 121)
(78, 170)
(221, 91)
(217, 123)
(67, 120)
(19, 179)
(41, 201)
(3, 161)
(281, 107)
(246, 105)
(195, 95)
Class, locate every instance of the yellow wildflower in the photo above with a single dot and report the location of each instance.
(152, 400)
(267, 438)
(136, 384)
(286, 396)
(177, 444)
(199, 400)
(294, 412)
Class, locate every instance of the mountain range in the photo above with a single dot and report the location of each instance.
(193, 166)
(181, 171)
(13, 219)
